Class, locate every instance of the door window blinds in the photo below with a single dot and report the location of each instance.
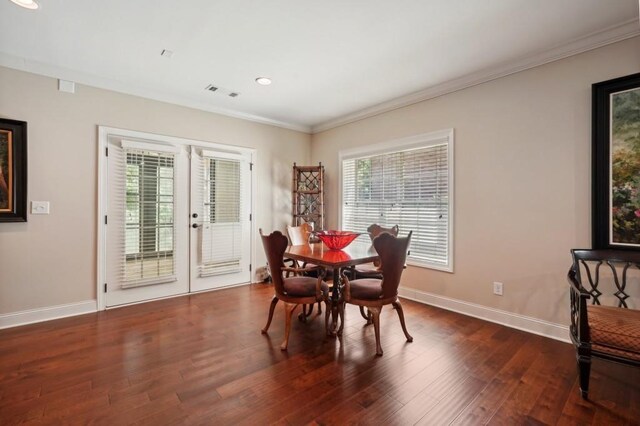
(221, 229)
(410, 188)
(149, 218)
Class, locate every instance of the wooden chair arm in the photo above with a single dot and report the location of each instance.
(575, 285)
(346, 286)
(579, 320)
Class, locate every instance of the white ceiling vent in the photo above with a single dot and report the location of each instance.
(222, 91)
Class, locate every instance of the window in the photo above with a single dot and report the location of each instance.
(220, 236)
(222, 183)
(149, 231)
(408, 183)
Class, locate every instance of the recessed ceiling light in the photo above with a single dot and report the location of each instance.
(27, 4)
(265, 81)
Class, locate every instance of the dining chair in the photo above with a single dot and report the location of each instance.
(373, 293)
(299, 235)
(372, 270)
(293, 291)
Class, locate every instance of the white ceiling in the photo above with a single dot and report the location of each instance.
(331, 61)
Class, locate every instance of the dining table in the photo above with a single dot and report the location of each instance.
(319, 254)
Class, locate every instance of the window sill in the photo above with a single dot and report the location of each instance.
(426, 265)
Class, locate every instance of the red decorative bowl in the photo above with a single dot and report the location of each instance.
(336, 240)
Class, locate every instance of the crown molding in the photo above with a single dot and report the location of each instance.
(41, 68)
(592, 41)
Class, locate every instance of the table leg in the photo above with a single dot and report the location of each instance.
(337, 315)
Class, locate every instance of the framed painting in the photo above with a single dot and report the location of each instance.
(616, 163)
(13, 170)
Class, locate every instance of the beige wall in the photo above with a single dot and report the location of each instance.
(522, 177)
(51, 260)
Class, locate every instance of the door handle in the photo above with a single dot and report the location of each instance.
(195, 226)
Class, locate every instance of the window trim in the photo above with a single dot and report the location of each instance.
(411, 142)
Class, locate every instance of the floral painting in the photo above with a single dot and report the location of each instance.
(625, 167)
(5, 171)
(13, 170)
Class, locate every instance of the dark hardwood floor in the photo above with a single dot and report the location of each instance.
(202, 360)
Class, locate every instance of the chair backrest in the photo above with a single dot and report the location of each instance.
(375, 230)
(275, 245)
(393, 254)
(618, 263)
(299, 235)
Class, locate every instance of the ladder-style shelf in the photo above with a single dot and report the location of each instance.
(308, 195)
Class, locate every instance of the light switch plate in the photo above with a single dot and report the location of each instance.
(39, 207)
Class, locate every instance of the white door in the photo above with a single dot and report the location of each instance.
(220, 218)
(147, 221)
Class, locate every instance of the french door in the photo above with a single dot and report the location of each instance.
(177, 219)
(220, 216)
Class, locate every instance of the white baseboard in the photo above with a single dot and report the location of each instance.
(30, 316)
(509, 319)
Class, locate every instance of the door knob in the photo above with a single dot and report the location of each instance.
(195, 215)
(195, 226)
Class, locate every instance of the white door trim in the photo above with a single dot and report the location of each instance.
(103, 134)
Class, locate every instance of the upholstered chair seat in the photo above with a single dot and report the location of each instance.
(366, 289)
(615, 330)
(303, 286)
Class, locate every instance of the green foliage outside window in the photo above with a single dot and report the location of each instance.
(625, 167)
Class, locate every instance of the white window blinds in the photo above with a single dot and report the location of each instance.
(149, 218)
(409, 187)
(221, 229)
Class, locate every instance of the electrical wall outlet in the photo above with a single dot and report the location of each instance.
(39, 207)
(497, 288)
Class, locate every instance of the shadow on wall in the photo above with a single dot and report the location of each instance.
(281, 176)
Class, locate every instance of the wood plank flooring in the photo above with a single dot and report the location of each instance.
(202, 360)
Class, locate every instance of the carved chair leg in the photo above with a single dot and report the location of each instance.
(400, 312)
(365, 316)
(307, 310)
(272, 307)
(375, 314)
(584, 370)
(319, 308)
(326, 316)
(288, 312)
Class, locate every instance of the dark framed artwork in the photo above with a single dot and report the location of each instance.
(13, 170)
(616, 163)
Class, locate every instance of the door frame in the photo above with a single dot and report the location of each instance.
(103, 134)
